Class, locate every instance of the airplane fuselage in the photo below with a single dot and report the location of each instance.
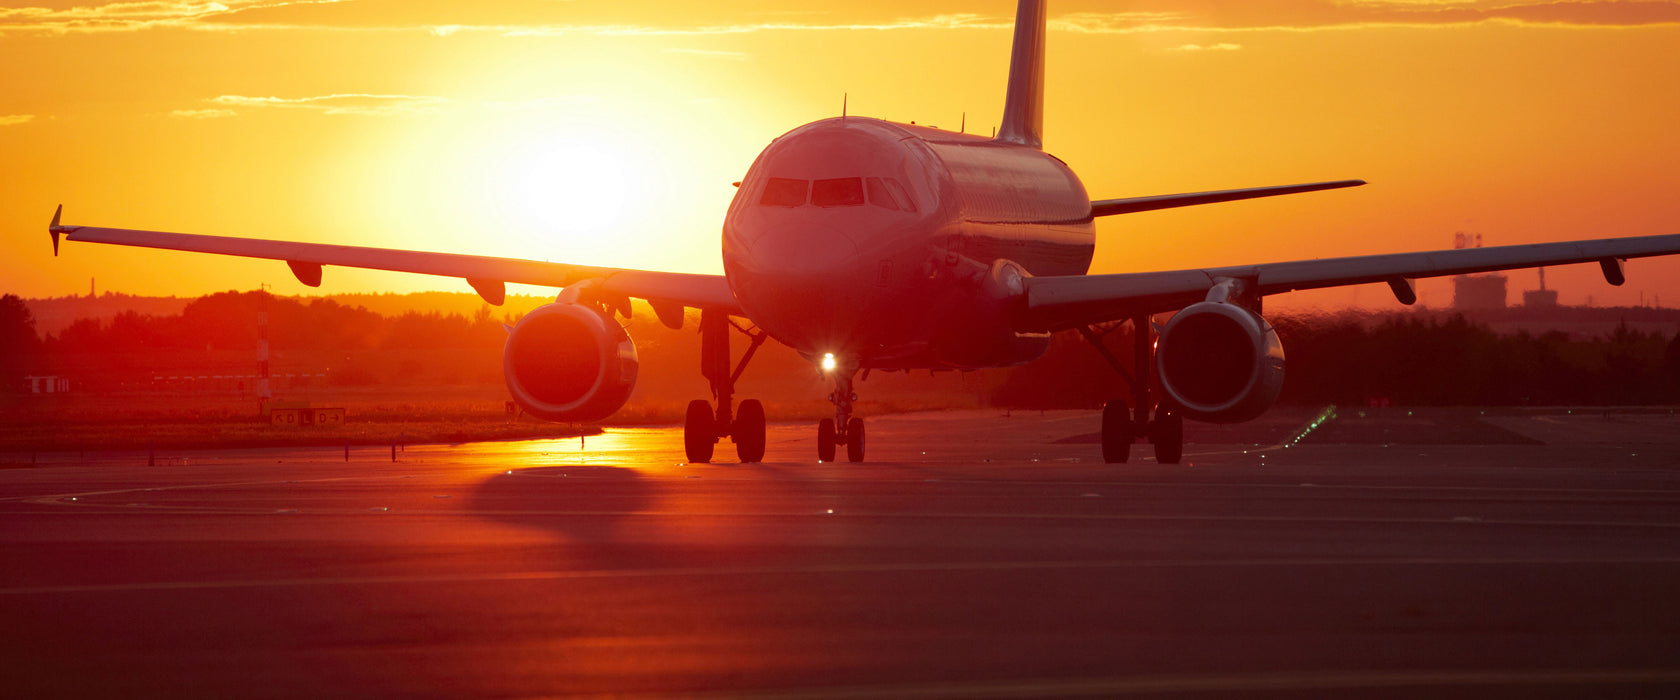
(897, 246)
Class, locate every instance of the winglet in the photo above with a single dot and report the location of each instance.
(52, 228)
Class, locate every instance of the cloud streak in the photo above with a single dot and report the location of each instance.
(1212, 16)
(1322, 15)
(1208, 47)
(342, 104)
(139, 16)
(966, 20)
(15, 119)
(202, 113)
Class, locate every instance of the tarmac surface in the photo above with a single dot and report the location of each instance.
(1444, 553)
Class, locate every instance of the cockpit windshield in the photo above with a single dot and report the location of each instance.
(838, 192)
(884, 192)
(783, 192)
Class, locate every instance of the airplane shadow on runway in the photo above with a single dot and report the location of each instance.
(585, 499)
(613, 517)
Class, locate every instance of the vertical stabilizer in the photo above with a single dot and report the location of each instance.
(1023, 108)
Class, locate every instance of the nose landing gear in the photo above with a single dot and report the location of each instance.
(850, 432)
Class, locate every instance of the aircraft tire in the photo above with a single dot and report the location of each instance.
(749, 431)
(698, 438)
(825, 440)
(1116, 432)
(854, 440)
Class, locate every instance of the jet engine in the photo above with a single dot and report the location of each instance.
(569, 362)
(1220, 363)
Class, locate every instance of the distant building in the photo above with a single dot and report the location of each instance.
(1481, 292)
(1540, 299)
(1477, 292)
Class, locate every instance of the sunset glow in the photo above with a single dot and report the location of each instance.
(609, 132)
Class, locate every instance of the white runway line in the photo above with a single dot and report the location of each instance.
(820, 569)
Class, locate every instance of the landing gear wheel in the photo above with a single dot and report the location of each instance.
(1116, 432)
(854, 440)
(1167, 432)
(697, 432)
(825, 440)
(749, 431)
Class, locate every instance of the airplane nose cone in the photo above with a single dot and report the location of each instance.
(807, 252)
(803, 285)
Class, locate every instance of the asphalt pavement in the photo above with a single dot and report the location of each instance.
(1393, 553)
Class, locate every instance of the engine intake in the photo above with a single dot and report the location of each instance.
(569, 362)
(1220, 363)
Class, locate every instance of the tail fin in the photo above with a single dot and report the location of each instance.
(1023, 108)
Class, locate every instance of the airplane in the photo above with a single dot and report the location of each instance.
(868, 245)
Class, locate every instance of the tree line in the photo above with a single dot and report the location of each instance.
(1401, 358)
(1406, 359)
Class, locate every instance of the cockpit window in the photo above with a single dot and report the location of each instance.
(838, 192)
(879, 196)
(783, 192)
(887, 193)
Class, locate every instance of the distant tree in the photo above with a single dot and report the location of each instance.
(82, 335)
(19, 346)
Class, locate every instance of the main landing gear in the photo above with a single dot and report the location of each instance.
(843, 428)
(702, 428)
(1122, 424)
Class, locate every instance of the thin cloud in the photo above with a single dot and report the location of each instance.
(1263, 15)
(141, 15)
(1114, 22)
(966, 20)
(1322, 15)
(1208, 47)
(202, 113)
(370, 104)
(15, 119)
(224, 16)
(355, 103)
(1248, 16)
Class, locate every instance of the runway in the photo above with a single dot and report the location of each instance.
(1443, 553)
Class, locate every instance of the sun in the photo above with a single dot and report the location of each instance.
(568, 184)
(587, 182)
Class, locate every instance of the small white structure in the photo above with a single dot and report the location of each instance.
(48, 385)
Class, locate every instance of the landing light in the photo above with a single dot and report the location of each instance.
(828, 362)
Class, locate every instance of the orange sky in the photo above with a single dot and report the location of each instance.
(431, 125)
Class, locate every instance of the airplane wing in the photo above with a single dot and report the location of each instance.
(487, 275)
(1057, 303)
(1130, 205)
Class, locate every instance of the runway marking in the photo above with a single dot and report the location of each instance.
(815, 569)
(1250, 682)
(58, 499)
(80, 508)
(723, 476)
(1458, 520)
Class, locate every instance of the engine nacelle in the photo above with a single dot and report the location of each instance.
(569, 362)
(1220, 363)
